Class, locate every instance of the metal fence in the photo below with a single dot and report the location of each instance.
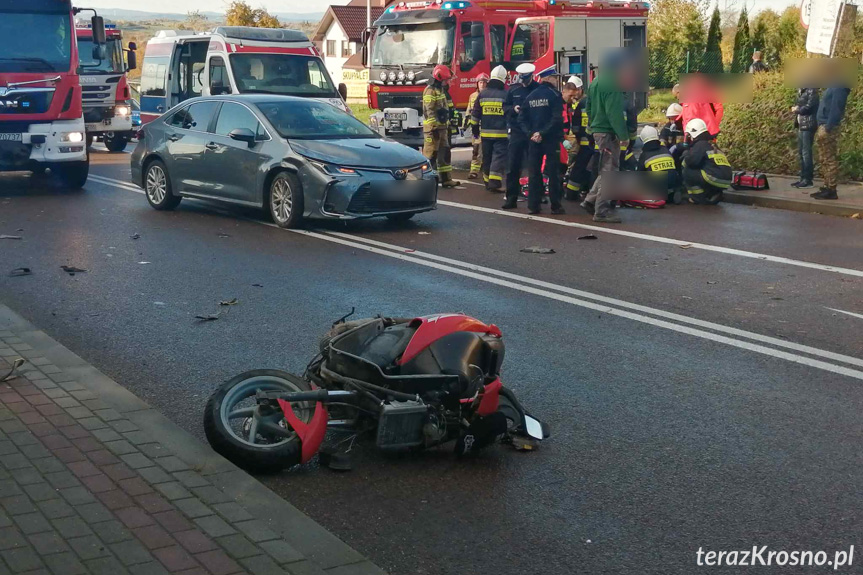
(665, 69)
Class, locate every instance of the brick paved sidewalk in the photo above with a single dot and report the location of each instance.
(83, 489)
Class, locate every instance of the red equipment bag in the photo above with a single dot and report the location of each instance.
(750, 181)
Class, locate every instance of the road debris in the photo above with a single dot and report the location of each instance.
(72, 270)
(855, 216)
(224, 235)
(234, 301)
(257, 285)
(17, 272)
(685, 246)
(588, 237)
(15, 365)
(424, 233)
(144, 263)
(135, 236)
(537, 250)
(5, 237)
(208, 317)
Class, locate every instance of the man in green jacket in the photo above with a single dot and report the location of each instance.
(607, 113)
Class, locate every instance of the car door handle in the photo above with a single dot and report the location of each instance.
(174, 137)
(212, 146)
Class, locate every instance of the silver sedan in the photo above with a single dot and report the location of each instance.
(297, 158)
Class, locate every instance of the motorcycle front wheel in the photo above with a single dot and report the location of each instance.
(237, 428)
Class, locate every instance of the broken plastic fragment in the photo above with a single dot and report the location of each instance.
(537, 250)
(234, 301)
(5, 237)
(208, 317)
(20, 272)
(72, 270)
(588, 237)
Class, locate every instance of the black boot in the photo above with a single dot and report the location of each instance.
(825, 193)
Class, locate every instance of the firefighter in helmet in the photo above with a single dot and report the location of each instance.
(437, 112)
(706, 171)
(469, 121)
(489, 125)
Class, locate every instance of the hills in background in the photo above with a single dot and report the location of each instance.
(139, 15)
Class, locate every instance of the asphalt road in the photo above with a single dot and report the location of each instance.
(701, 367)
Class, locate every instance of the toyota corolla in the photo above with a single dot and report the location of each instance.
(294, 157)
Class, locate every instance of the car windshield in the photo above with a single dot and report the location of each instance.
(111, 63)
(284, 74)
(35, 42)
(311, 120)
(414, 44)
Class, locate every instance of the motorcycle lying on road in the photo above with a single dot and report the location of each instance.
(413, 383)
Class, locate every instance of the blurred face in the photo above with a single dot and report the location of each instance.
(481, 85)
(568, 94)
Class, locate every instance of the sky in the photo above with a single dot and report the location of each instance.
(183, 6)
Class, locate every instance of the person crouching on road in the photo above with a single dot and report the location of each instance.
(706, 171)
(541, 117)
(476, 155)
(489, 126)
(518, 140)
(437, 111)
(671, 135)
(658, 164)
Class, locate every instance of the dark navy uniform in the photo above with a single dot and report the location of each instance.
(518, 140)
(490, 126)
(542, 112)
(706, 171)
(660, 167)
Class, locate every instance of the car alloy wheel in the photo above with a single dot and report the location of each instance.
(282, 198)
(157, 184)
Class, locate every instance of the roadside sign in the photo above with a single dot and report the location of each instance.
(805, 13)
(823, 23)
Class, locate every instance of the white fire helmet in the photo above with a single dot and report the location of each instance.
(674, 110)
(695, 127)
(499, 73)
(649, 134)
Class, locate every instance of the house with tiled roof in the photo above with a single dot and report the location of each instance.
(339, 38)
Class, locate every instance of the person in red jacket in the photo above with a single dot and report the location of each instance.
(700, 101)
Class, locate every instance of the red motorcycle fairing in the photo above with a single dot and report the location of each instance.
(431, 328)
(311, 434)
(490, 399)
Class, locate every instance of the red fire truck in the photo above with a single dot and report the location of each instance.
(104, 87)
(474, 36)
(41, 122)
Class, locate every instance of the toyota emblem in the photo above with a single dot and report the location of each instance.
(400, 174)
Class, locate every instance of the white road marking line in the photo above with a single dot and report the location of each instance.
(613, 301)
(851, 313)
(412, 258)
(118, 183)
(659, 239)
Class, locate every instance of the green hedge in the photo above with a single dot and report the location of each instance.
(761, 136)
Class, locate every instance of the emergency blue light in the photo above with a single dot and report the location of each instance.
(391, 8)
(447, 6)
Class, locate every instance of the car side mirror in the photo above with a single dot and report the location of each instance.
(243, 135)
(133, 46)
(131, 60)
(343, 91)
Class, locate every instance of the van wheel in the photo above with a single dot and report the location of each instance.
(157, 187)
(285, 200)
(116, 144)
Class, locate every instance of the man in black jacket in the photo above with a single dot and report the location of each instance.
(807, 105)
(541, 117)
(518, 140)
(829, 117)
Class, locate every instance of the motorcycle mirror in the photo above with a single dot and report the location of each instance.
(533, 427)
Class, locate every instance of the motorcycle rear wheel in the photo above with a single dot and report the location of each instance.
(232, 422)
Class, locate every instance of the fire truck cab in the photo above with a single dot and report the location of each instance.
(104, 87)
(474, 36)
(232, 60)
(41, 121)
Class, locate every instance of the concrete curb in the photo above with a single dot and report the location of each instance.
(325, 552)
(826, 207)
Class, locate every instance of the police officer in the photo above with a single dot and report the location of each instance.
(437, 112)
(706, 171)
(541, 117)
(489, 125)
(518, 140)
(469, 121)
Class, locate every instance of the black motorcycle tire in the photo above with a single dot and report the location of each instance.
(254, 458)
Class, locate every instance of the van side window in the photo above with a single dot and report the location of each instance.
(153, 76)
(219, 83)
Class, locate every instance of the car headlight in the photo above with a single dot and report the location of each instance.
(401, 76)
(122, 110)
(333, 170)
(383, 76)
(411, 76)
(392, 76)
(74, 137)
(427, 168)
